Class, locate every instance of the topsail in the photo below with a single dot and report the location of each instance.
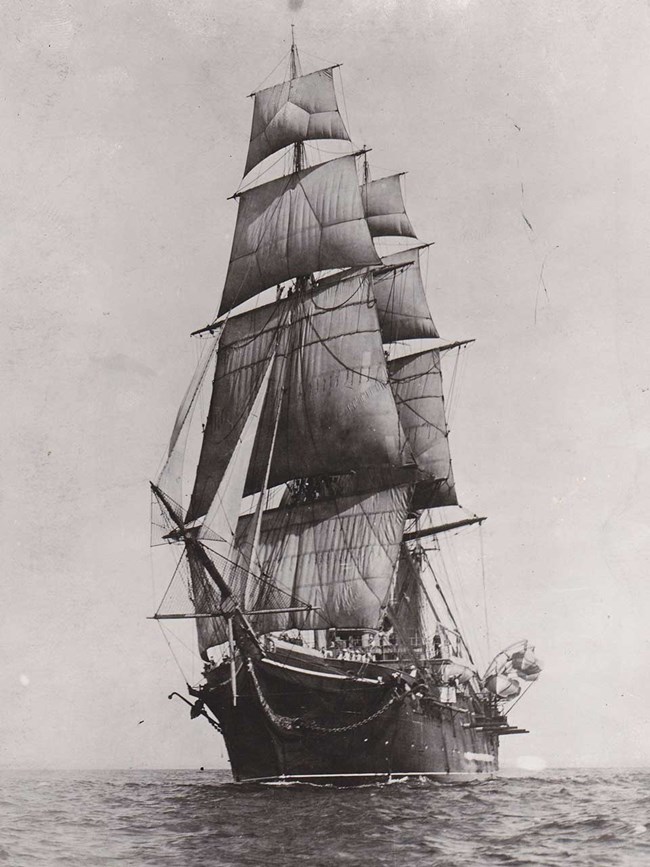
(330, 408)
(308, 221)
(384, 207)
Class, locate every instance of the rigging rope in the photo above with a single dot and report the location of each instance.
(345, 106)
(171, 650)
(277, 66)
(485, 605)
(519, 697)
(258, 177)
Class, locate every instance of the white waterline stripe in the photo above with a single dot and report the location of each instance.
(388, 775)
(320, 673)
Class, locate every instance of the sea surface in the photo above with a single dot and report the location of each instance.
(184, 818)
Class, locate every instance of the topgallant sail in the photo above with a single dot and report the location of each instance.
(321, 485)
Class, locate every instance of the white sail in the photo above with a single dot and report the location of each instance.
(329, 384)
(338, 556)
(220, 523)
(384, 207)
(248, 343)
(416, 381)
(171, 477)
(338, 411)
(401, 304)
(302, 109)
(401, 299)
(293, 226)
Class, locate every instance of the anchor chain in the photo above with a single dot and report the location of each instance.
(294, 724)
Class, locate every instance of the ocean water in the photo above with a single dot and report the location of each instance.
(180, 818)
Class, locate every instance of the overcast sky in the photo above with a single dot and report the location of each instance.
(524, 128)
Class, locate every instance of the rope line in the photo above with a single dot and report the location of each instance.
(485, 605)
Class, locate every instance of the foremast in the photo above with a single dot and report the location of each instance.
(229, 606)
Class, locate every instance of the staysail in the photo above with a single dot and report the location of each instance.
(292, 226)
(220, 523)
(171, 476)
(301, 109)
(248, 342)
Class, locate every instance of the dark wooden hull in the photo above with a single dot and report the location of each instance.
(301, 720)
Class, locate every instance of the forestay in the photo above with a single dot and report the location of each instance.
(302, 109)
(211, 631)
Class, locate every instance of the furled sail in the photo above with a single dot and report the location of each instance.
(330, 407)
(302, 109)
(384, 207)
(292, 226)
(338, 556)
(416, 381)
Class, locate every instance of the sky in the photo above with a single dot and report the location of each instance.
(523, 129)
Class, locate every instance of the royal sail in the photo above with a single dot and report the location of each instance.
(383, 205)
(302, 109)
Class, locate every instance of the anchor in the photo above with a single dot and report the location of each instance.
(197, 708)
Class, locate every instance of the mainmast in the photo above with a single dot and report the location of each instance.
(295, 72)
(366, 166)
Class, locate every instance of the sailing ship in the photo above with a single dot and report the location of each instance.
(309, 537)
